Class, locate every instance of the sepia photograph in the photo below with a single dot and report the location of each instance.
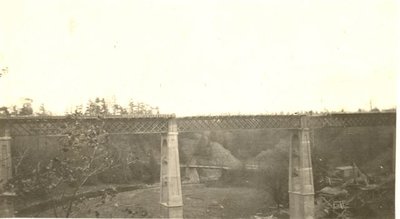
(259, 109)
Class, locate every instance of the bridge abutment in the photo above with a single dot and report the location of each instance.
(6, 197)
(301, 185)
(170, 177)
(394, 151)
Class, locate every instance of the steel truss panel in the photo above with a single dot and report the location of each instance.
(352, 120)
(204, 123)
(26, 126)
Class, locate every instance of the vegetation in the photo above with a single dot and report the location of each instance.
(96, 107)
(82, 155)
(85, 152)
(371, 148)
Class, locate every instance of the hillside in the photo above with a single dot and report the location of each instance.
(371, 148)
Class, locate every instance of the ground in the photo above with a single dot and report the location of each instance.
(199, 202)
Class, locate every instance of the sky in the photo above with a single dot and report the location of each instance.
(201, 57)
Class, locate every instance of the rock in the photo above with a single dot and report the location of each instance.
(333, 191)
(214, 202)
(222, 157)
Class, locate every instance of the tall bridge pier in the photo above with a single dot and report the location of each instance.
(170, 176)
(301, 186)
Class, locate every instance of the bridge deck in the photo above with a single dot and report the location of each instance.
(247, 167)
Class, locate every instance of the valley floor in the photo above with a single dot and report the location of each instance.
(199, 202)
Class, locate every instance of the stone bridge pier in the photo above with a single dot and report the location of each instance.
(170, 176)
(301, 185)
(6, 197)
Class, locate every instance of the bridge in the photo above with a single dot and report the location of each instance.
(301, 188)
(206, 167)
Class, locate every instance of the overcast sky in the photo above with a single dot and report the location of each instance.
(201, 57)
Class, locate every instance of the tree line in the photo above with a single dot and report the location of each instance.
(97, 106)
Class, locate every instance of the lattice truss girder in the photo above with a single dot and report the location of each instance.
(352, 120)
(203, 123)
(21, 126)
(27, 127)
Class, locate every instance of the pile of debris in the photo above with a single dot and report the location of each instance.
(348, 192)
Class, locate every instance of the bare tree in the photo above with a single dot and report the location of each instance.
(85, 152)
